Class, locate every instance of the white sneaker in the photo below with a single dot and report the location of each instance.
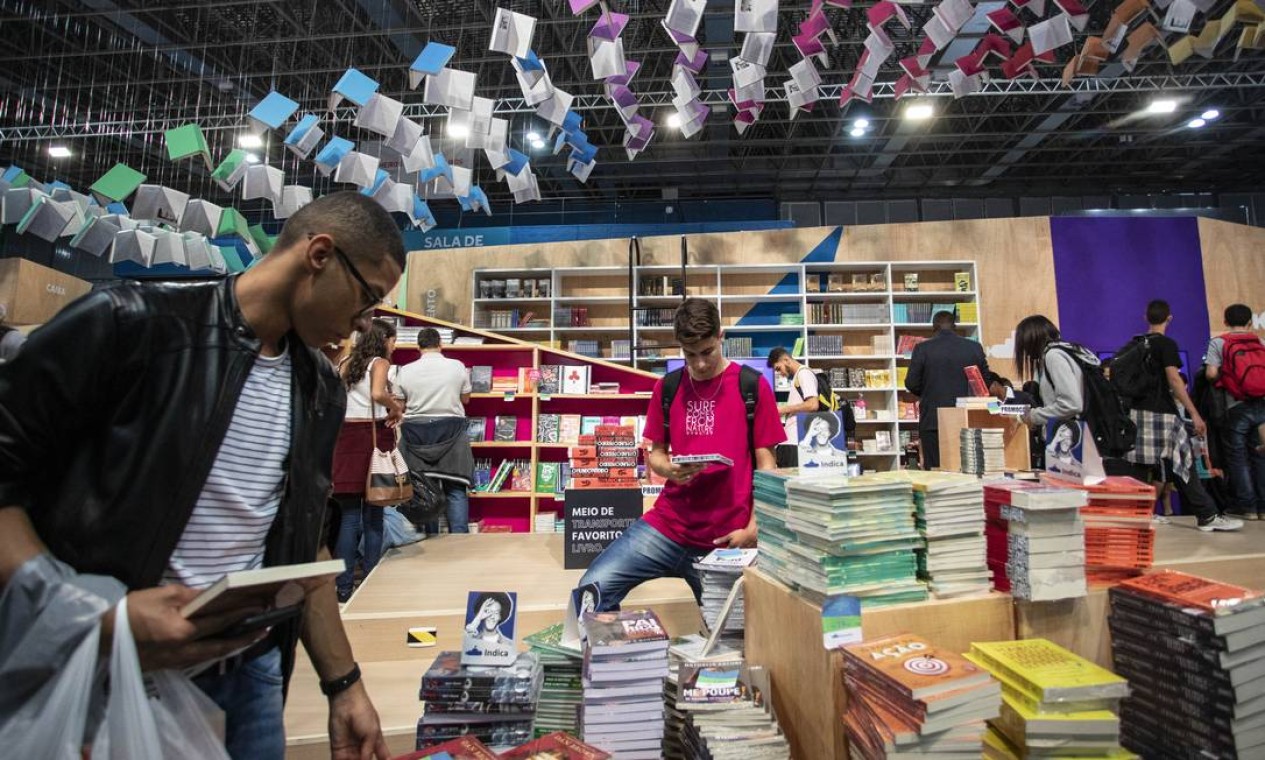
(1221, 522)
(1162, 520)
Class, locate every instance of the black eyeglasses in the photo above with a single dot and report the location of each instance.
(372, 299)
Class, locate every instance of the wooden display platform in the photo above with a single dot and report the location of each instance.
(1081, 624)
(784, 635)
(952, 420)
(426, 584)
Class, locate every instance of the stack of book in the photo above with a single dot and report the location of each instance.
(625, 665)
(558, 745)
(562, 690)
(590, 348)
(770, 518)
(505, 383)
(949, 513)
(495, 705)
(1054, 703)
(719, 571)
(1119, 532)
(739, 347)
(1193, 650)
(983, 451)
(570, 316)
(909, 698)
(546, 522)
(729, 713)
(605, 459)
(825, 345)
(1036, 539)
(854, 535)
(686, 650)
(621, 348)
(656, 317)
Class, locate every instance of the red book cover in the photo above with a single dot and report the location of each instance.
(976, 381)
(556, 746)
(463, 748)
(1193, 591)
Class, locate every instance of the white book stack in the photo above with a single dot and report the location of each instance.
(949, 513)
(625, 666)
(983, 451)
(719, 571)
(728, 715)
(1045, 539)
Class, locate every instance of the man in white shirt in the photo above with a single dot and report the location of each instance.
(802, 397)
(436, 390)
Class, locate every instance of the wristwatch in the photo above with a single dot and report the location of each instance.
(337, 686)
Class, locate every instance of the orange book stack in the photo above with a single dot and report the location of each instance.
(906, 696)
(606, 459)
(1119, 532)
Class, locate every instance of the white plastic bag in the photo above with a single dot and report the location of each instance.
(51, 724)
(162, 715)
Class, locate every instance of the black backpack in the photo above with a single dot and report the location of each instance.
(1113, 430)
(1133, 371)
(830, 401)
(748, 385)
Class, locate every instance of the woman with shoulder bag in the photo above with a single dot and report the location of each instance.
(372, 414)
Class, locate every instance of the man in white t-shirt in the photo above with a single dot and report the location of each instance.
(803, 394)
(436, 390)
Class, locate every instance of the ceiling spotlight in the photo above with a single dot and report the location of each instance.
(861, 124)
(250, 141)
(533, 137)
(1196, 123)
(919, 112)
(537, 144)
(1210, 114)
(458, 131)
(1162, 106)
(59, 151)
(857, 132)
(674, 121)
(251, 158)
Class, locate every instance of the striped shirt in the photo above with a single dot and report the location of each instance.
(235, 510)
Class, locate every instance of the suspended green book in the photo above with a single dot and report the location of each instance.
(262, 238)
(186, 141)
(231, 170)
(232, 223)
(118, 183)
(232, 258)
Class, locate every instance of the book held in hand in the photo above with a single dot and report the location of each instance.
(269, 587)
(702, 459)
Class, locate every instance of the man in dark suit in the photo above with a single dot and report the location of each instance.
(936, 377)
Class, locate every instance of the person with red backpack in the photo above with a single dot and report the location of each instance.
(1236, 362)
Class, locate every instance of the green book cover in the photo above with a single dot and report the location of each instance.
(262, 238)
(118, 183)
(546, 477)
(232, 258)
(231, 170)
(232, 223)
(798, 350)
(186, 141)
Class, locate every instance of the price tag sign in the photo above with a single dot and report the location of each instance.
(509, 395)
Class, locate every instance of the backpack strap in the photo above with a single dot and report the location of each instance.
(671, 383)
(749, 386)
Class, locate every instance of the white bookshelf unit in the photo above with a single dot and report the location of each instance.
(854, 316)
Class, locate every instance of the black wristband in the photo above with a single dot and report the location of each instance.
(339, 685)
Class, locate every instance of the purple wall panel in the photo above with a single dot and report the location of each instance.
(1106, 270)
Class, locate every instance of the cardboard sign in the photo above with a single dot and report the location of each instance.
(1071, 454)
(595, 517)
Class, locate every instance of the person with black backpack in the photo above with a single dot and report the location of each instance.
(1146, 372)
(711, 406)
(810, 392)
(1235, 361)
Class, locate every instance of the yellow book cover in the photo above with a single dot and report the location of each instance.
(1050, 672)
(962, 281)
(1017, 692)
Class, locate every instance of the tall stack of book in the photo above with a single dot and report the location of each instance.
(561, 690)
(854, 536)
(685, 650)
(949, 513)
(1036, 539)
(625, 665)
(1119, 532)
(770, 518)
(1193, 650)
(495, 705)
(1054, 703)
(719, 571)
(909, 698)
(729, 713)
(983, 451)
(605, 459)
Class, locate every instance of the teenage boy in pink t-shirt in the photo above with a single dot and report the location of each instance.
(702, 507)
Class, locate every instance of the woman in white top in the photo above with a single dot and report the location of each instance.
(371, 411)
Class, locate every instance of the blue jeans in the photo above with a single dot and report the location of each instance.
(458, 509)
(639, 555)
(358, 519)
(1245, 469)
(250, 697)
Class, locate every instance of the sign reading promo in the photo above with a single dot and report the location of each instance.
(595, 517)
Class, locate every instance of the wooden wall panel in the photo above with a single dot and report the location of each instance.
(32, 293)
(1234, 267)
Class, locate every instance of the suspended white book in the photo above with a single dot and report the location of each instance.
(47, 219)
(450, 88)
(757, 47)
(293, 198)
(263, 182)
(197, 254)
(168, 249)
(202, 217)
(96, 236)
(684, 16)
(133, 245)
(755, 15)
(495, 139)
(512, 33)
(357, 169)
(17, 202)
(406, 135)
(421, 157)
(380, 115)
(555, 109)
(161, 204)
(606, 57)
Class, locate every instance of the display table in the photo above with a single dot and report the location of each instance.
(784, 635)
(952, 420)
(427, 584)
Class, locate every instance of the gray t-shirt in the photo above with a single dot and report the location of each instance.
(432, 386)
(1213, 358)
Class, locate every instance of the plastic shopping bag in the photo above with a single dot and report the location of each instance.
(162, 715)
(51, 724)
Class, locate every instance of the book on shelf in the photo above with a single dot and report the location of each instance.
(268, 587)
(543, 287)
(467, 340)
(911, 282)
(476, 429)
(834, 283)
(569, 428)
(481, 378)
(878, 281)
(506, 429)
(520, 478)
(605, 388)
(528, 378)
(550, 375)
(812, 282)
(860, 281)
(962, 281)
(505, 383)
(547, 476)
(512, 287)
(548, 428)
(589, 423)
(501, 476)
(575, 379)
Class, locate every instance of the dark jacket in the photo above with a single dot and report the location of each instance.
(936, 376)
(438, 448)
(112, 415)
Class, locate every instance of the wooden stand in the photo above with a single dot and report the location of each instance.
(784, 635)
(952, 420)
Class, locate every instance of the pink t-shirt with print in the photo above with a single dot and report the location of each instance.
(709, 417)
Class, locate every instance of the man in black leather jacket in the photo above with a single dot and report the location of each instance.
(114, 415)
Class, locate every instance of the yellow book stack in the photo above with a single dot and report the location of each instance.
(1051, 699)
